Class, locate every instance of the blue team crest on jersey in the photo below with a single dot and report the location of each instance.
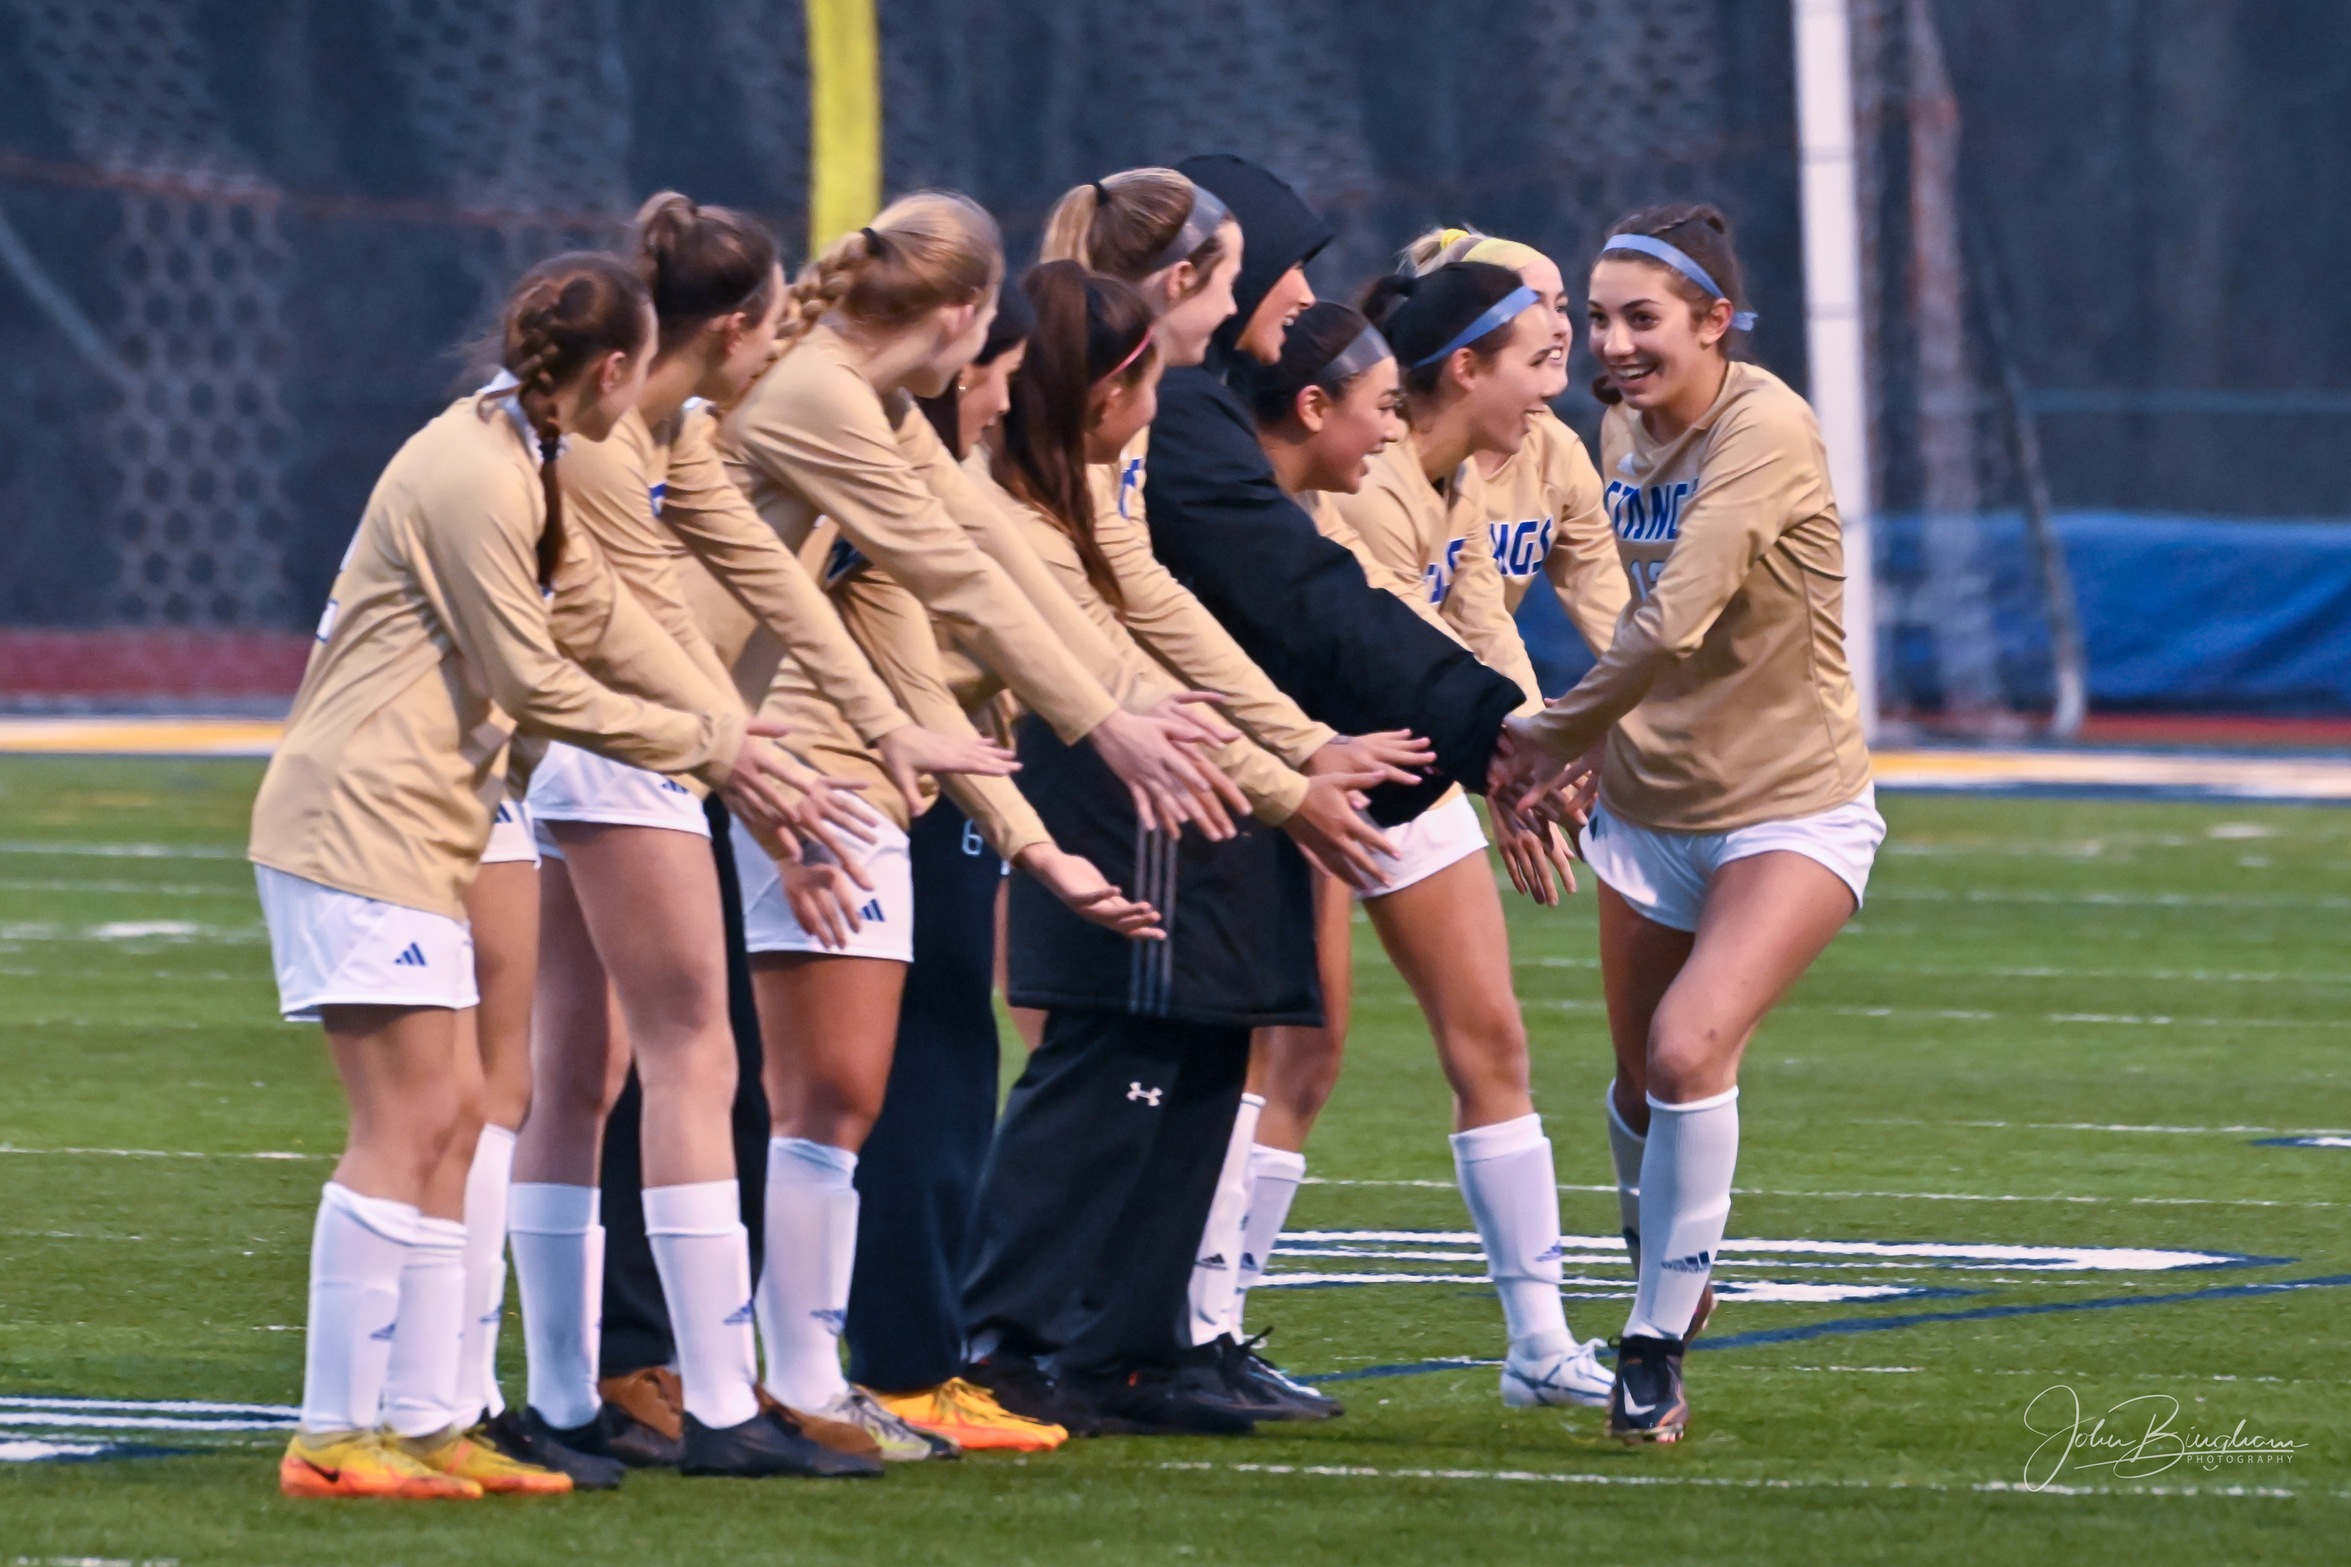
(842, 562)
(659, 490)
(1520, 547)
(1437, 576)
(1130, 482)
(1647, 514)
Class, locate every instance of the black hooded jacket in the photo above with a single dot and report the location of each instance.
(1352, 655)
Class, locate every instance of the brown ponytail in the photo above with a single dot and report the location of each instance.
(700, 263)
(566, 314)
(929, 249)
(1090, 330)
(1123, 225)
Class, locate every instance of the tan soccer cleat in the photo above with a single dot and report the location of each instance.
(364, 1463)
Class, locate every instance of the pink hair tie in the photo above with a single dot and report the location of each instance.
(1121, 367)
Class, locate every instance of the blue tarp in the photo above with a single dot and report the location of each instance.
(2179, 614)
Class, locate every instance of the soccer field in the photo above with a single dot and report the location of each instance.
(2065, 1109)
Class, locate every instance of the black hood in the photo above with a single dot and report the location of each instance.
(1278, 231)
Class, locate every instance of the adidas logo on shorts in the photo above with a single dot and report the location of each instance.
(871, 911)
(412, 957)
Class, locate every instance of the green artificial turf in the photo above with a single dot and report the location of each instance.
(2060, 1023)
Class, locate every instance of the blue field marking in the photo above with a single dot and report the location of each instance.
(2336, 1141)
(1842, 1325)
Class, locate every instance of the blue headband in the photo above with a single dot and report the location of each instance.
(1504, 309)
(1678, 259)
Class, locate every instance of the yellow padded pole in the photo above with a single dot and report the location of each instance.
(844, 118)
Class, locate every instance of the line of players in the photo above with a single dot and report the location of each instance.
(1143, 597)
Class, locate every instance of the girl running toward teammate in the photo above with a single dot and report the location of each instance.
(1476, 351)
(436, 645)
(1736, 824)
(631, 889)
(1543, 506)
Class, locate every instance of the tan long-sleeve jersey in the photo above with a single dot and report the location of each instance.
(1726, 698)
(436, 647)
(813, 438)
(1544, 513)
(1165, 619)
(659, 501)
(1274, 790)
(1432, 550)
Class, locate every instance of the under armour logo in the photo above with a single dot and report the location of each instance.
(1149, 1096)
(871, 911)
(1696, 1262)
(412, 958)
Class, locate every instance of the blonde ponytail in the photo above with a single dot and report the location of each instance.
(1123, 225)
(923, 251)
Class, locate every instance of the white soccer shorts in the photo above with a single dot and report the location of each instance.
(886, 914)
(1663, 875)
(511, 840)
(572, 785)
(337, 948)
(1445, 834)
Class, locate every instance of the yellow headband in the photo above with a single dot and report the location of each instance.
(1503, 253)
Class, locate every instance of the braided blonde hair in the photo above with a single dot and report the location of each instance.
(565, 314)
(926, 250)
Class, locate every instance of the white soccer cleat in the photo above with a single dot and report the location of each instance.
(1574, 1376)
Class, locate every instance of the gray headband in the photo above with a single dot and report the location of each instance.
(1368, 349)
(1200, 225)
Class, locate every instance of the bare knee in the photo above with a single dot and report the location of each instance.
(1690, 1056)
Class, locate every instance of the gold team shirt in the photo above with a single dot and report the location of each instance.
(1175, 628)
(812, 438)
(1274, 791)
(1726, 698)
(1544, 513)
(1431, 550)
(662, 507)
(436, 647)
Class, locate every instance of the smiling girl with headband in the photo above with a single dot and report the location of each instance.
(1736, 824)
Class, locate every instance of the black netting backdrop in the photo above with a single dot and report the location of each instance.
(242, 240)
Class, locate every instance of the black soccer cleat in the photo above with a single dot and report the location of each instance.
(614, 1433)
(524, 1437)
(1034, 1393)
(766, 1446)
(1647, 1404)
(1188, 1398)
(1269, 1391)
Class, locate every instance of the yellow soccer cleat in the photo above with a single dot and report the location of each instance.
(464, 1456)
(969, 1416)
(364, 1463)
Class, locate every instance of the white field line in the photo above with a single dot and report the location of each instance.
(1557, 1477)
(1760, 1291)
(167, 1153)
(1980, 1015)
(2112, 900)
(2105, 1126)
(2092, 1259)
(125, 851)
(147, 1406)
(134, 1422)
(1842, 968)
(1768, 1191)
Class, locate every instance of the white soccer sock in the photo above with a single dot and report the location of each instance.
(1625, 1148)
(358, 1248)
(1214, 1290)
(486, 1181)
(1513, 1196)
(804, 1273)
(420, 1382)
(558, 1267)
(1275, 1175)
(704, 1255)
(1685, 1201)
